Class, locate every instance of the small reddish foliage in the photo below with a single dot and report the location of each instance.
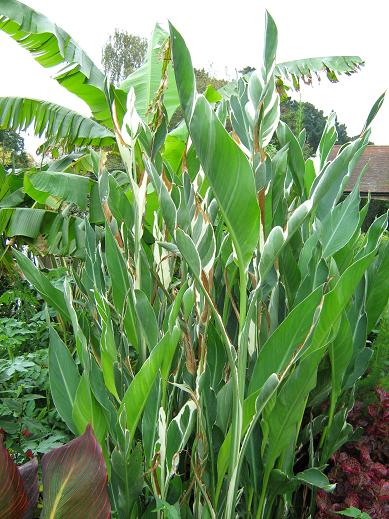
(29, 454)
(361, 470)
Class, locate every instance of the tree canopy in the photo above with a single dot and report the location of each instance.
(299, 115)
(122, 54)
(12, 152)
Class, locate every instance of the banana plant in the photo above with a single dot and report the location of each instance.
(52, 47)
(216, 323)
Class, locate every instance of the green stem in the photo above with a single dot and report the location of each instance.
(237, 418)
(262, 499)
(242, 345)
(333, 399)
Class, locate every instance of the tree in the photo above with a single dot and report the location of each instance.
(122, 54)
(204, 78)
(12, 152)
(298, 115)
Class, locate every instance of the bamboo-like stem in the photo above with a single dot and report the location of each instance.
(237, 418)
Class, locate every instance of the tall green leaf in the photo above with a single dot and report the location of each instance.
(86, 410)
(288, 337)
(225, 165)
(64, 379)
(136, 395)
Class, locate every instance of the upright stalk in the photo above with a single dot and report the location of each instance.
(237, 418)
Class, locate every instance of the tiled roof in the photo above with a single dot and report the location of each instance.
(376, 178)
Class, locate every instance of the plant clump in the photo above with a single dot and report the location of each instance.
(361, 469)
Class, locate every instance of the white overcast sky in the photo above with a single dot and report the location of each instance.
(224, 36)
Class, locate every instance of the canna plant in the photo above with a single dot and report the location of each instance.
(74, 478)
(215, 319)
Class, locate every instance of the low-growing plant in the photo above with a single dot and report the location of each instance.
(360, 469)
(221, 298)
(74, 483)
(28, 419)
(23, 326)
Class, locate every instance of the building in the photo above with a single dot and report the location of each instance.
(376, 177)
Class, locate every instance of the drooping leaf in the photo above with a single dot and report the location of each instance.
(51, 46)
(75, 480)
(25, 221)
(304, 69)
(52, 295)
(289, 74)
(67, 186)
(146, 80)
(52, 120)
(315, 478)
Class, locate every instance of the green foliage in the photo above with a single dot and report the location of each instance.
(299, 115)
(19, 336)
(12, 153)
(23, 326)
(71, 129)
(211, 301)
(27, 414)
(354, 512)
(376, 208)
(122, 54)
(378, 372)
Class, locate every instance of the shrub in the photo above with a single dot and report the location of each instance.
(360, 469)
(28, 418)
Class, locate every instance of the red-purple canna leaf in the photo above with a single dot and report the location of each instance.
(75, 481)
(29, 474)
(13, 498)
